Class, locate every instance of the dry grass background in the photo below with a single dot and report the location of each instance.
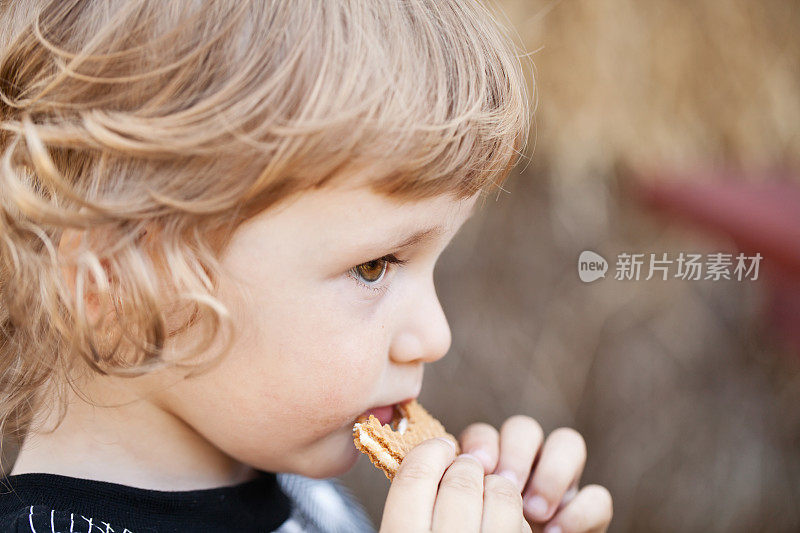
(690, 408)
(689, 405)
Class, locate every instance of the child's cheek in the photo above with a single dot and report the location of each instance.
(349, 379)
(344, 386)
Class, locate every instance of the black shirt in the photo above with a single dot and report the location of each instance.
(47, 503)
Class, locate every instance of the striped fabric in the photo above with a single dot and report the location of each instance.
(322, 506)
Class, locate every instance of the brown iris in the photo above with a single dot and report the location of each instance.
(372, 271)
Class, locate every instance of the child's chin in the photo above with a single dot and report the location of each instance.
(339, 468)
(336, 459)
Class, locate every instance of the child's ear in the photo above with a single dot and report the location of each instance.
(97, 278)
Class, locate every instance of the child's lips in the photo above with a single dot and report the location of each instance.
(384, 413)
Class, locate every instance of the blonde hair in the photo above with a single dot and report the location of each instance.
(153, 129)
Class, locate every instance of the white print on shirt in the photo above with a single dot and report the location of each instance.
(76, 525)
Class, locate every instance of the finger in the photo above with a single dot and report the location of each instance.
(568, 497)
(460, 499)
(590, 510)
(572, 491)
(502, 505)
(561, 463)
(481, 441)
(409, 504)
(526, 527)
(520, 439)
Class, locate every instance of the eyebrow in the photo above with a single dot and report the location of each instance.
(424, 234)
(416, 238)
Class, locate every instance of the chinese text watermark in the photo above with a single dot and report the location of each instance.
(684, 266)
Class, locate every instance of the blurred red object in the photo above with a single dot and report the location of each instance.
(761, 217)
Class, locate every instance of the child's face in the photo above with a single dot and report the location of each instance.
(317, 348)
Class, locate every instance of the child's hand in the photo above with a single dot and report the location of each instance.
(549, 486)
(433, 492)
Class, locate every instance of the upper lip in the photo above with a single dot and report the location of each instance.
(407, 398)
(412, 396)
(404, 399)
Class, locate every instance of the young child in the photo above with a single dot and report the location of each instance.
(219, 225)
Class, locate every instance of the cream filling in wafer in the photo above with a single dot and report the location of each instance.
(376, 449)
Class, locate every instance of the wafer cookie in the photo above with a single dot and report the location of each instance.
(386, 445)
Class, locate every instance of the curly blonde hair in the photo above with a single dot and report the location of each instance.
(148, 131)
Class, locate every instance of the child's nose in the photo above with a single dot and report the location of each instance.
(423, 333)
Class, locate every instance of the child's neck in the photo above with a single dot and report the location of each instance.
(135, 443)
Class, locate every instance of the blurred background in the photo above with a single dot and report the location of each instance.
(664, 126)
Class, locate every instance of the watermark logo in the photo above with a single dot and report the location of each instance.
(685, 266)
(591, 266)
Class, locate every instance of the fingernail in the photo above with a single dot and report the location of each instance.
(536, 507)
(483, 457)
(448, 441)
(553, 528)
(569, 495)
(471, 457)
(508, 474)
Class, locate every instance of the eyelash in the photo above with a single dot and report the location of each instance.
(390, 259)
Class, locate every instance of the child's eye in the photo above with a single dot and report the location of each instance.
(369, 274)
